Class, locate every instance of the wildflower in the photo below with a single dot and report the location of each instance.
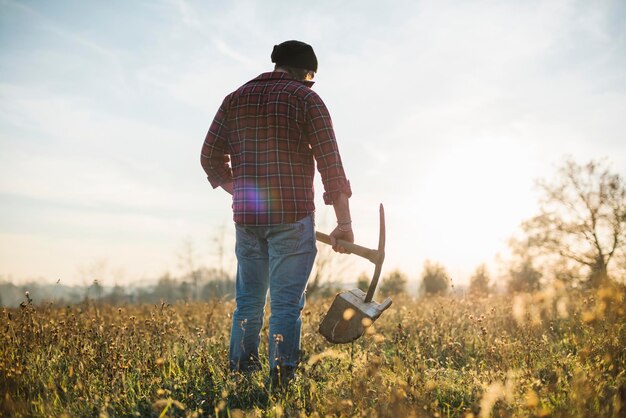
(561, 307)
(532, 400)
(494, 392)
(237, 413)
(326, 354)
(278, 410)
(519, 309)
(588, 316)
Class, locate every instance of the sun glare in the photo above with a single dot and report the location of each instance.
(472, 201)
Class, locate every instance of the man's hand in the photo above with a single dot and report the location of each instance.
(342, 235)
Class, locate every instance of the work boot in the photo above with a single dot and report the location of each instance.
(280, 377)
(247, 366)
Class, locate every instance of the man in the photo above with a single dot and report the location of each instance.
(272, 131)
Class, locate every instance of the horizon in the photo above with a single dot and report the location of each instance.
(447, 112)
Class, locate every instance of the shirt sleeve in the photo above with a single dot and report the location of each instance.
(325, 150)
(214, 156)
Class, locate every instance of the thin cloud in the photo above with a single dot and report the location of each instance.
(230, 52)
(188, 15)
(54, 27)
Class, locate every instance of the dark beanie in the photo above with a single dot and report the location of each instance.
(295, 54)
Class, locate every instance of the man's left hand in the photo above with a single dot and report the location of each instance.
(338, 234)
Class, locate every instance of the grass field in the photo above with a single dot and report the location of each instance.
(554, 353)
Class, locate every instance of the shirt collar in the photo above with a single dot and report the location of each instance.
(280, 75)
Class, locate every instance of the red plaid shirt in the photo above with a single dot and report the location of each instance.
(270, 130)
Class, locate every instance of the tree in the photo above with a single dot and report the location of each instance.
(479, 282)
(217, 284)
(187, 259)
(186, 290)
(165, 290)
(523, 277)
(94, 274)
(435, 278)
(582, 217)
(116, 296)
(393, 283)
(96, 290)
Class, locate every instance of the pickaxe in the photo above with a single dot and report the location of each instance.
(353, 311)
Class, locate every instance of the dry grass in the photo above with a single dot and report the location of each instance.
(550, 354)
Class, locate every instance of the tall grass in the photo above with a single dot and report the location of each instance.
(554, 353)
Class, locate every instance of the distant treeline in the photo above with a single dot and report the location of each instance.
(202, 284)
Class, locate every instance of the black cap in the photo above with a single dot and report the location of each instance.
(295, 54)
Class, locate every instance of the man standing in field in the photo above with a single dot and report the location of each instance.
(272, 131)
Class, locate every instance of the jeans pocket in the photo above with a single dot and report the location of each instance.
(297, 237)
(287, 238)
(247, 244)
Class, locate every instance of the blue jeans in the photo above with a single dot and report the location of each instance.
(278, 258)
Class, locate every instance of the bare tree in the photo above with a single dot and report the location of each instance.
(93, 276)
(479, 282)
(582, 217)
(219, 242)
(188, 263)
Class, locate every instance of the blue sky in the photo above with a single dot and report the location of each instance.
(445, 111)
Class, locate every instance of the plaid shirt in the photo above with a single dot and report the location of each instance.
(270, 130)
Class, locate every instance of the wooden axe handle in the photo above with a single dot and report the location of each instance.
(371, 255)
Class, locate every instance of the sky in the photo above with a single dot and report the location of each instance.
(447, 112)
